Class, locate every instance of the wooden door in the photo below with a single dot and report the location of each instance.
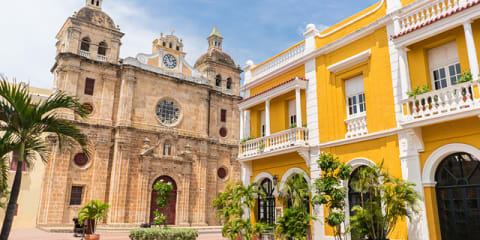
(170, 210)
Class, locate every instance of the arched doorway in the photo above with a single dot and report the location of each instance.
(170, 210)
(355, 199)
(458, 196)
(266, 207)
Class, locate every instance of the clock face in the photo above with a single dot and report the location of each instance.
(169, 61)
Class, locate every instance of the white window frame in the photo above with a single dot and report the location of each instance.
(444, 57)
(357, 95)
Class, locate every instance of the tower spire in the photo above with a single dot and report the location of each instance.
(215, 39)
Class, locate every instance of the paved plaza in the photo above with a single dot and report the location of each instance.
(28, 234)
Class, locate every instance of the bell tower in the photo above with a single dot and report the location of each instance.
(215, 40)
(96, 4)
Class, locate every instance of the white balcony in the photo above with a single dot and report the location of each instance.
(84, 53)
(356, 125)
(281, 60)
(424, 13)
(101, 58)
(455, 102)
(277, 143)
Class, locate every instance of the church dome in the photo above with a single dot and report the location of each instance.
(95, 16)
(215, 55)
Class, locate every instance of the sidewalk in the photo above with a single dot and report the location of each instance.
(28, 234)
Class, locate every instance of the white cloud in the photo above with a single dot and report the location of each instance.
(29, 27)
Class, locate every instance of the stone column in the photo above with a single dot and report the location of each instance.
(471, 50)
(202, 191)
(242, 124)
(119, 181)
(125, 106)
(106, 106)
(411, 171)
(185, 221)
(298, 102)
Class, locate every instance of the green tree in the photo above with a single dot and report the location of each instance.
(295, 222)
(163, 189)
(27, 122)
(390, 199)
(231, 206)
(330, 191)
(6, 146)
(93, 212)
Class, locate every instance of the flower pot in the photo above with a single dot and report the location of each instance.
(92, 237)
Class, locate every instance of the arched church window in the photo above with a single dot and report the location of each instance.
(98, 3)
(85, 45)
(218, 80)
(102, 49)
(229, 83)
(93, 2)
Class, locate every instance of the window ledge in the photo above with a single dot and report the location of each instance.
(350, 62)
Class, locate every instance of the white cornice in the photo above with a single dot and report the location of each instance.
(275, 92)
(351, 61)
(367, 137)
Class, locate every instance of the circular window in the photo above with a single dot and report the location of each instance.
(222, 173)
(168, 112)
(80, 160)
(223, 132)
(88, 108)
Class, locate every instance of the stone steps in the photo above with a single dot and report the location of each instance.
(122, 228)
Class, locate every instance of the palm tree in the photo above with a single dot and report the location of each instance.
(93, 212)
(6, 147)
(27, 122)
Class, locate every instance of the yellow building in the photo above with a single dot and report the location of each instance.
(344, 91)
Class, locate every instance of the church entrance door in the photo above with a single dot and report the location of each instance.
(170, 210)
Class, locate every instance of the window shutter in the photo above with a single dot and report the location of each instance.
(223, 114)
(89, 86)
(442, 56)
(354, 86)
(76, 195)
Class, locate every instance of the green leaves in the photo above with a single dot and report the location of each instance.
(331, 192)
(163, 189)
(163, 233)
(95, 210)
(418, 91)
(294, 223)
(230, 210)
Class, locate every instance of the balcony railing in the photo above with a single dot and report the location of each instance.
(356, 126)
(275, 63)
(84, 53)
(431, 12)
(276, 142)
(101, 58)
(450, 101)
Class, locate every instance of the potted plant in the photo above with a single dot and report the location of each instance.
(389, 200)
(92, 213)
(466, 77)
(419, 91)
(261, 147)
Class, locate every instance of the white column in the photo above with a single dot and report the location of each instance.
(404, 72)
(267, 117)
(409, 145)
(472, 52)
(242, 124)
(393, 5)
(298, 100)
(246, 175)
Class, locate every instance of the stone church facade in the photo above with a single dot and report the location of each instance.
(154, 117)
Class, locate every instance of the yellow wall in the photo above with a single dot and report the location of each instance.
(418, 55)
(406, 2)
(378, 150)
(377, 84)
(297, 72)
(466, 131)
(29, 198)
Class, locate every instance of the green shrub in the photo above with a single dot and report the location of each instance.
(163, 234)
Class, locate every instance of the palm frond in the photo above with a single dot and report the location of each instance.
(60, 100)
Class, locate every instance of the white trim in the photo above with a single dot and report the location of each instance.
(280, 90)
(291, 172)
(430, 167)
(262, 176)
(358, 162)
(350, 62)
(352, 21)
(274, 153)
(366, 137)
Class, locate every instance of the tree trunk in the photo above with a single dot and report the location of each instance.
(12, 203)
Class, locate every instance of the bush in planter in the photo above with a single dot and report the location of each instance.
(93, 212)
(163, 234)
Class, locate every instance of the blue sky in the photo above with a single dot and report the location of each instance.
(253, 30)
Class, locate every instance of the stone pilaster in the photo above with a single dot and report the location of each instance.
(119, 181)
(125, 105)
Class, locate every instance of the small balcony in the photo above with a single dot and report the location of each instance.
(356, 125)
(84, 53)
(454, 102)
(101, 58)
(278, 143)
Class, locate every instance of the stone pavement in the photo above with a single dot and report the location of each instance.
(28, 234)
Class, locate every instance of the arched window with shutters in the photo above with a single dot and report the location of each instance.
(85, 45)
(266, 206)
(218, 80)
(102, 49)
